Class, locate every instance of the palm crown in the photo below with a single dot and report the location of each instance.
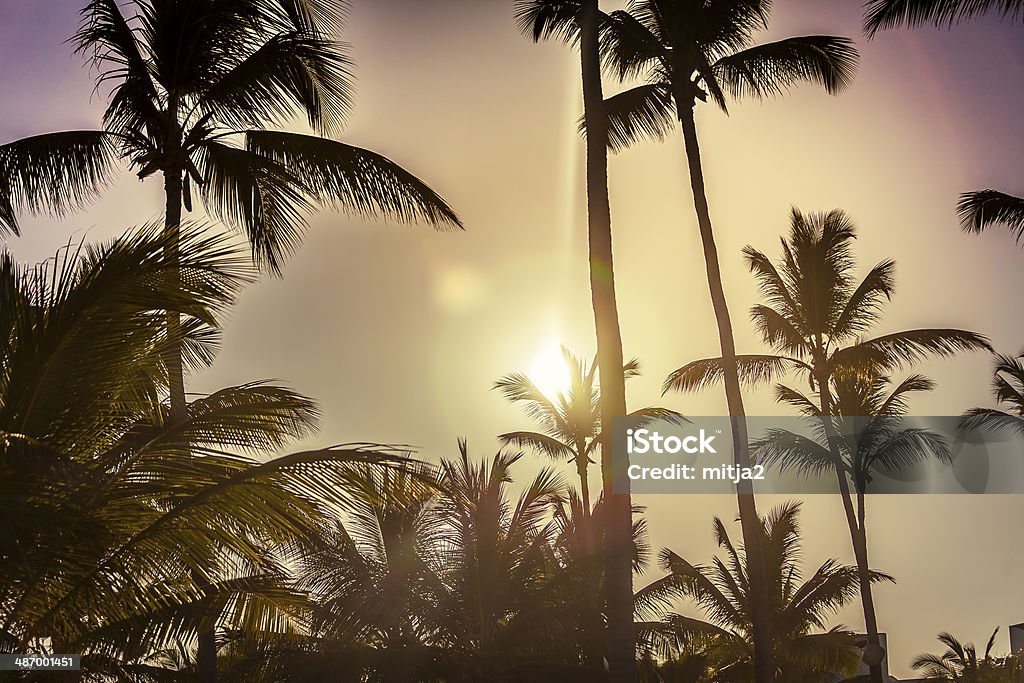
(701, 51)
(801, 607)
(193, 87)
(816, 312)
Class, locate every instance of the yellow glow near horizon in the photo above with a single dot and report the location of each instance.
(549, 371)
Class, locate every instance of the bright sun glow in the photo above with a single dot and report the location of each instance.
(549, 371)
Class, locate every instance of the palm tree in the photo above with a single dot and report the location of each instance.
(374, 583)
(128, 532)
(960, 663)
(815, 316)
(1008, 386)
(193, 89)
(983, 208)
(694, 51)
(803, 651)
(570, 421)
(579, 21)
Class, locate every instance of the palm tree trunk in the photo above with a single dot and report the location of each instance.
(750, 523)
(618, 537)
(860, 551)
(206, 657)
(172, 227)
(855, 521)
(581, 470)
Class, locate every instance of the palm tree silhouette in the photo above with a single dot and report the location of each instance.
(961, 663)
(571, 420)
(799, 607)
(579, 22)
(815, 316)
(119, 544)
(1008, 386)
(194, 88)
(983, 208)
(696, 51)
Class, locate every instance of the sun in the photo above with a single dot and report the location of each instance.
(549, 371)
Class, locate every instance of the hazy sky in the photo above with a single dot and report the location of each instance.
(399, 331)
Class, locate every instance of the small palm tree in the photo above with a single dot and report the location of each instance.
(570, 421)
(1008, 386)
(814, 318)
(960, 663)
(691, 51)
(983, 208)
(803, 650)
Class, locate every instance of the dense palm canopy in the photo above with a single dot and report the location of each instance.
(805, 648)
(193, 88)
(124, 533)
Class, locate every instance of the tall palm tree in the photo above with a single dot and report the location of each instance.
(980, 209)
(814, 317)
(117, 544)
(803, 650)
(571, 420)
(579, 21)
(960, 663)
(695, 51)
(194, 88)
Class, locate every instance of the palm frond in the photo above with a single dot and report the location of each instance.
(899, 349)
(355, 179)
(771, 69)
(885, 14)
(982, 209)
(642, 113)
(54, 172)
(753, 369)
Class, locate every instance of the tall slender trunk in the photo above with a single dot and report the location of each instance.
(206, 656)
(750, 522)
(172, 227)
(855, 521)
(618, 537)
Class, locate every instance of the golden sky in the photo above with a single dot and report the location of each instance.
(399, 331)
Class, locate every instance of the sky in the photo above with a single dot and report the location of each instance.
(400, 331)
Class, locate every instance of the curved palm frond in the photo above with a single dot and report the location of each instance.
(753, 369)
(886, 14)
(985, 208)
(55, 172)
(772, 68)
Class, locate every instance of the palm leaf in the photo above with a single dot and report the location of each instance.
(982, 209)
(885, 14)
(770, 69)
(57, 172)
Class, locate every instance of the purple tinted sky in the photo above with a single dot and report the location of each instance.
(399, 331)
